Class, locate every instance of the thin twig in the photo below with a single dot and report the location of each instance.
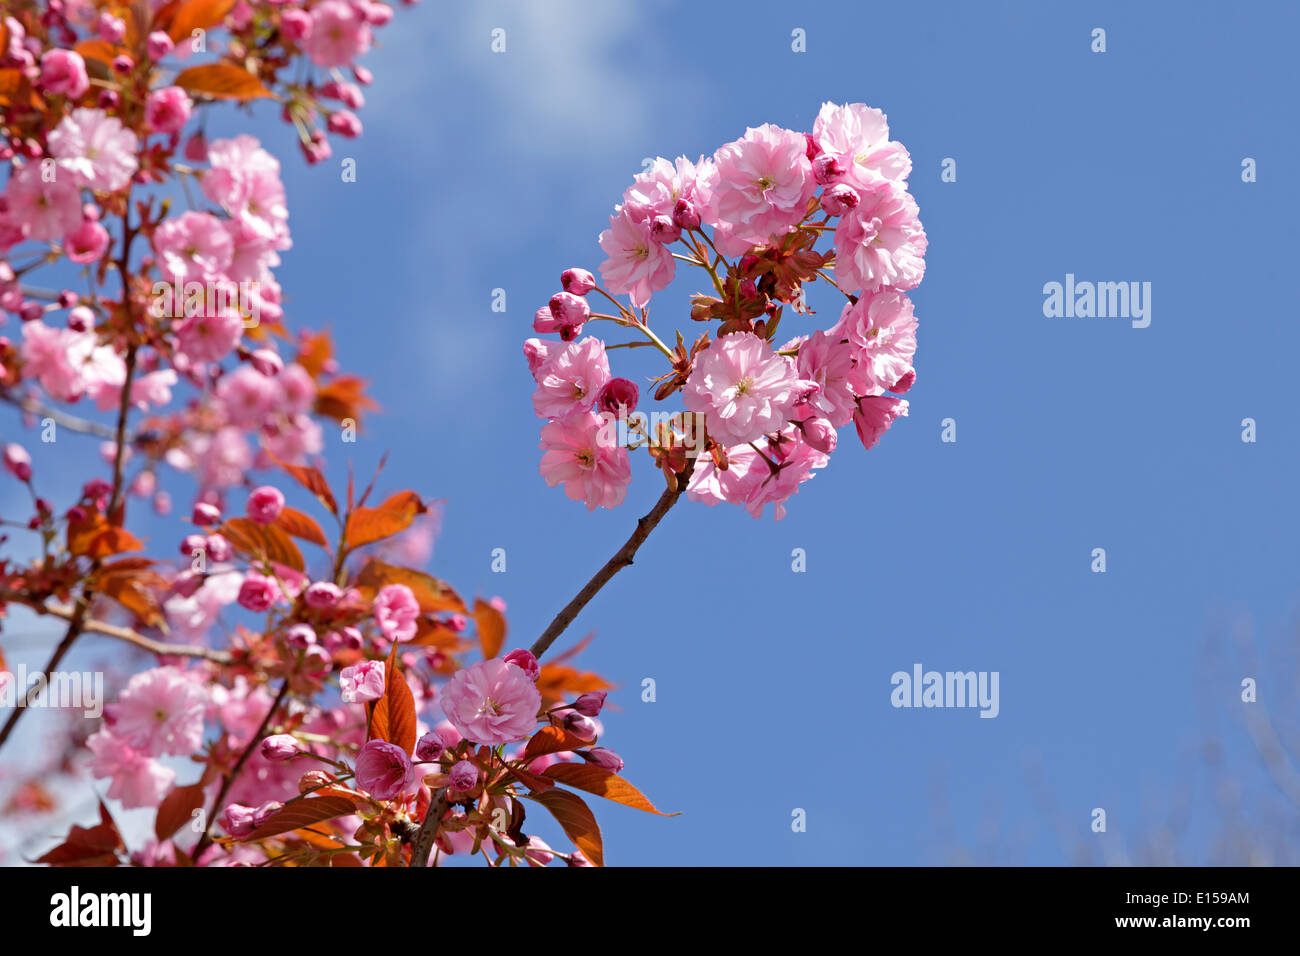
(621, 559)
(94, 626)
(228, 781)
(71, 422)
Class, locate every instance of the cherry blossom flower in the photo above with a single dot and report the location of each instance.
(96, 148)
(491, 703)
(745, 389)
(593, 470)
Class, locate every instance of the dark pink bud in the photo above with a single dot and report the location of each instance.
(590, 704)
(80, 318)
(604, 758)
(618, 393)
(463, 776)
(685, 215)
(569, 310)
(577, 281)
(525, 661)
(206, 514)
(813, 148)
(429, 747)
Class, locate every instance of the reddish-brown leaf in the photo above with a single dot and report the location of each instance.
(311, 479)
(431, 593)
(392, 718)
(221, 81)
(491, 625)
(576, 819)
(368, 525)
(552, 740)
(343, 398)
(88, 846)
(303, 526)
(266, 541)
(191, 15)
(177, 809)
(136, 594)
(95, 537)
(302, 813)
(603, 783)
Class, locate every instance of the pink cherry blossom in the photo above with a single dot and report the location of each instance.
(362, 682)
(43, 208)
(167, 110)
(384, 770)
(193, 245)
(64, 72)
(637, 265)
(880, 242)
(580, 454)
(745, 389)
(759, 185)
(339, 34)
(570, 378)
(138, 780)
(96, 148)
(491, 702)
(161, 712)
(858, 136)
(396, 612)
(881, 330)
(874, 415)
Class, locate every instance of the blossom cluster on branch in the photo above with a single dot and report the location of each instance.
(761, 415)
(326, 700)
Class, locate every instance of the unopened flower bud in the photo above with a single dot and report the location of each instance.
(265, 504)
(264, 813)
(818, 433)
(577, 281)
(663, 230)
(158, 45)
(206, 514)
(525, 661)
(618, 396)
(322, 595)
(839, 199)
(464, 776)
(238, 820)
(429, 747)
(828, 169)
(281, 747)
(267, 362)
(590, 703)
(603, 758)
(685, 216)
(570, 311)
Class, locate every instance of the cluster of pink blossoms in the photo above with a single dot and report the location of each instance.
(751, 217)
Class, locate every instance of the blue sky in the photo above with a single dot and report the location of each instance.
(480, 171)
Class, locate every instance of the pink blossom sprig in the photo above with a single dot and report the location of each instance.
(760, 417)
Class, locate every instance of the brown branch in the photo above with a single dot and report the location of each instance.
(91, 625)
(621, 559)
(229, 779)
(75, 626)
(71, 422)
(422, 845)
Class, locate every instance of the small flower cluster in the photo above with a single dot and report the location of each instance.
(751, 217)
